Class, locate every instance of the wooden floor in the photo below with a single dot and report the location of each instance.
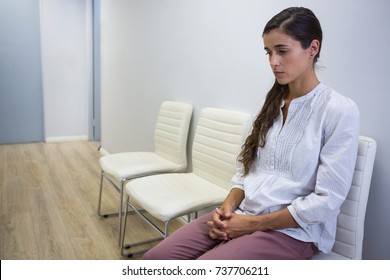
(48, 204)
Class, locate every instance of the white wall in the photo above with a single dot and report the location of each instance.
(67, 68)
(210, 53)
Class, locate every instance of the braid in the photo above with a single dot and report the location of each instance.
(262, 124)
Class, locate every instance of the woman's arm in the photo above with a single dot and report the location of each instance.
(225, 224)
(239, 225)
(232, 201)
(336, 165)
(224, 213)
(235, 225)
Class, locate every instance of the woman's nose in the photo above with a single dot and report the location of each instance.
(274, 60)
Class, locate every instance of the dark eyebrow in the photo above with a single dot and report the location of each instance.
(281, 46)
(277, 46)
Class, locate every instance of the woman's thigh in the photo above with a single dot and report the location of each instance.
(188, 242)
(270, 245)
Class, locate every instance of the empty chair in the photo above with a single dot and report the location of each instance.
(169, 155)
(350, 222)
(217, 142)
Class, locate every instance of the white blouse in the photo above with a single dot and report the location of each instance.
(306, 165)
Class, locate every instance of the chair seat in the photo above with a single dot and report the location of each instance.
(167, 196)
(131, 164)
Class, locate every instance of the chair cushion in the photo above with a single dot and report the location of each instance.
(167, 196)
(136, 164)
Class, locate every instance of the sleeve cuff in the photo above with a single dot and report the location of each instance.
(236, 187)
(295, 216)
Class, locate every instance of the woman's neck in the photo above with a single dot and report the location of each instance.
(301, 87)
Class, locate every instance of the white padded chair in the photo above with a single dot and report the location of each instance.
(169, 155)
(217, 142)
(350, 222)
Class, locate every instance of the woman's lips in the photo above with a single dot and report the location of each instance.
(278, 73)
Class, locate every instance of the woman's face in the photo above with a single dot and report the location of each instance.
(288, 60)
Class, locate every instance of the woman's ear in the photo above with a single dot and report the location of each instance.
(314, 47)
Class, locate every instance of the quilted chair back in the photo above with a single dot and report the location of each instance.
(218, 139)
(171, 132)
(350, 223)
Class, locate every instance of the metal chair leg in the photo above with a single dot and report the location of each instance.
(123, 230)
(135, 244)
(103, 176)
(100, 194)
(167, 224)
(121, 210)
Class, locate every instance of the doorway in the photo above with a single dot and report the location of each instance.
(21, 98)
(96, 71)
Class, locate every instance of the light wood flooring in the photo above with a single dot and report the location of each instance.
(48, 204)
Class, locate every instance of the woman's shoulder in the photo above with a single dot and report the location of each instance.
(337, 101)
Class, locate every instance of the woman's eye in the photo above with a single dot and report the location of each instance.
(282, 52)
(268, 53)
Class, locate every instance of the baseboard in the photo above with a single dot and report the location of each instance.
(66, 138)
(103, 152)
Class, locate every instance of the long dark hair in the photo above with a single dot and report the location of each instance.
(302, 25)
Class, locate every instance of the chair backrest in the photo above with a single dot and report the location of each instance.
(171, 132)
(219, 135)
(350, 223)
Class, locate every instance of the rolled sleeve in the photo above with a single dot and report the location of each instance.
(237, 180)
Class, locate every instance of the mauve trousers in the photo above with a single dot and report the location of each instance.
(193, 242)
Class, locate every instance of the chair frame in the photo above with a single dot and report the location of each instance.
(120, 190)
(163, 233)
(130, 208)
(122, 181)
